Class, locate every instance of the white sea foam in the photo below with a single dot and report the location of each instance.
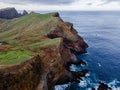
(86, 82)
(83, 83)
(72, 67)
(61, 87)
(99, 64)
(75, 68)
(113, 84)
(114, 88)
(88, 74)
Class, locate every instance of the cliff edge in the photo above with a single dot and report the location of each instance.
(36, 51)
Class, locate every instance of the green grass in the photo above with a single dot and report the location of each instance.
(28, 25)
(17, 56)
(13, 57)
(16, 32)
(46, 43)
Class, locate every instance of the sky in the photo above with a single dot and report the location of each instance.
(82, 5)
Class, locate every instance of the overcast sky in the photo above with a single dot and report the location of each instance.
(61, 4)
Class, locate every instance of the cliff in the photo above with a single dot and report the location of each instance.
(50, 42)
(10, 13)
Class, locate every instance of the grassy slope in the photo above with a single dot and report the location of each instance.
(25, 37)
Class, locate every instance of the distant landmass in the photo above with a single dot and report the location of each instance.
(10, 13)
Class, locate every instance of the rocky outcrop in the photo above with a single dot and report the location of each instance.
(103, 86)
(56, 14)
(24, 12)
(10, 13)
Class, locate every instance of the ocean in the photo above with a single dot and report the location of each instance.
(101, 31)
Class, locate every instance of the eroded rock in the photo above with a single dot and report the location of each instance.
(103, 86)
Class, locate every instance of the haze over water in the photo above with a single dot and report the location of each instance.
(101, 30)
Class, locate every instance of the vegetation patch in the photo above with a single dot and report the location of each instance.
(46, 43)
(24, 36)
(13, 57)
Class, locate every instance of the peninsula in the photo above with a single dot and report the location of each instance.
(36, 51)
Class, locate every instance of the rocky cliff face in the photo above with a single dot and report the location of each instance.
(70, 41)
(44, 71)
(24, 76)
(10, 13)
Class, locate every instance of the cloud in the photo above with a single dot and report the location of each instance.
(110, 1)
(89, 3)
(61, 4)
(52, 2)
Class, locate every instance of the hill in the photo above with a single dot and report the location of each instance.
(23, 35)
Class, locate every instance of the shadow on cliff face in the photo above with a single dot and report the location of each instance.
(24, 76)
(71, 43)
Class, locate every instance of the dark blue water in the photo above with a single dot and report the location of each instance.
(101, 30)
